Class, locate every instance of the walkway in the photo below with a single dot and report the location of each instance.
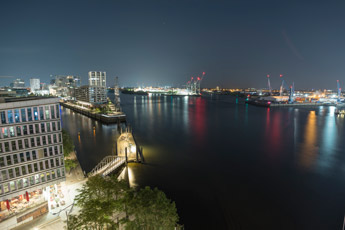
(107, 165)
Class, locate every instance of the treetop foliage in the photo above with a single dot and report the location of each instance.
(107, 203)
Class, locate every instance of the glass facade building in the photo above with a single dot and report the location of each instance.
(31, 151)
(97, 78)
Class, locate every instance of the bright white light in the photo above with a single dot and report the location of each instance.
(133, 148)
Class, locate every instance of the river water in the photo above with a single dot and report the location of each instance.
(229, 165)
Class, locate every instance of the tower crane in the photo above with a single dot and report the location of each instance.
(292, 92)
(269, 84)
(339, 91)
(198, 83)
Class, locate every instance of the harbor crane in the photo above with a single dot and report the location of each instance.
(292, 92)
(282, 85)
(269, 84)
(339, 91)
(193, 86)
(198, 90)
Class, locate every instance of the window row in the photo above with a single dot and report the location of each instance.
(32, 180)
(31, 142)
(30, 114)
(19, 171)
(28, 156)
(22, 130)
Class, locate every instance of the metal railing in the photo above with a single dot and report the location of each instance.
(107, 165)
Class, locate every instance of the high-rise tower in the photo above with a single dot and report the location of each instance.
(117, 95)
(97, 78)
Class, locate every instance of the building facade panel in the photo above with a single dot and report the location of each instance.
(97, 78)
(91, 94)
(31, 150)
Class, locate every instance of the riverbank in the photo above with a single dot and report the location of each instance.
(111, 118)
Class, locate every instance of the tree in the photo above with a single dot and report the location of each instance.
(70, 164)
(105, 203)
(68, 145)
(151, 209)
(100, 200)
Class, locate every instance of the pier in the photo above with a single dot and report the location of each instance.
(104, 118)
(127, 150)
(107, 165)
(127, 146)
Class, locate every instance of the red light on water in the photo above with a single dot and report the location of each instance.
(281, 75)
(268, 75)
(198, 78)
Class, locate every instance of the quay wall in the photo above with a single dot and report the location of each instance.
(107, 119)
(265, 104)
(297, 104)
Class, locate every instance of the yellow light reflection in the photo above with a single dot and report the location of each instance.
(131, 178)
(309, 148)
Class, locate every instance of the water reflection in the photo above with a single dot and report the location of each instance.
(295, 129)
(329, 141)
(197, 118)
(308, 152)
(185, 112)
(273, 132)
(246, 115)
(290, 136)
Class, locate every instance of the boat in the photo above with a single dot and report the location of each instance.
(339, 112)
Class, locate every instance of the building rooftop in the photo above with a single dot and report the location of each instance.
(11, 102)
(16, 99)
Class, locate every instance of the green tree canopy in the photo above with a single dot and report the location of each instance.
(68, 145)
(99, 201)
(70, 164)
(151, 210)
(105, 203)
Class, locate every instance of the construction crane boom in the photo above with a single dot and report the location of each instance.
(339, 90)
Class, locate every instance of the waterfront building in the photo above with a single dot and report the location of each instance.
(94, 93)
(13, 92)
(34, 84)
(63, 86)
(73, 81)
(18, 83)
(31, 152)
(97, 78)
(91, 94)
(65, 81)
(7, 93)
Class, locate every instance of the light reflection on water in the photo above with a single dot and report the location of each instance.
(309, 148)
(216, 157)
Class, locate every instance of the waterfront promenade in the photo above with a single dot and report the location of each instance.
(110, 118)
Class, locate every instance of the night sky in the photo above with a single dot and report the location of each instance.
(237, 43)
